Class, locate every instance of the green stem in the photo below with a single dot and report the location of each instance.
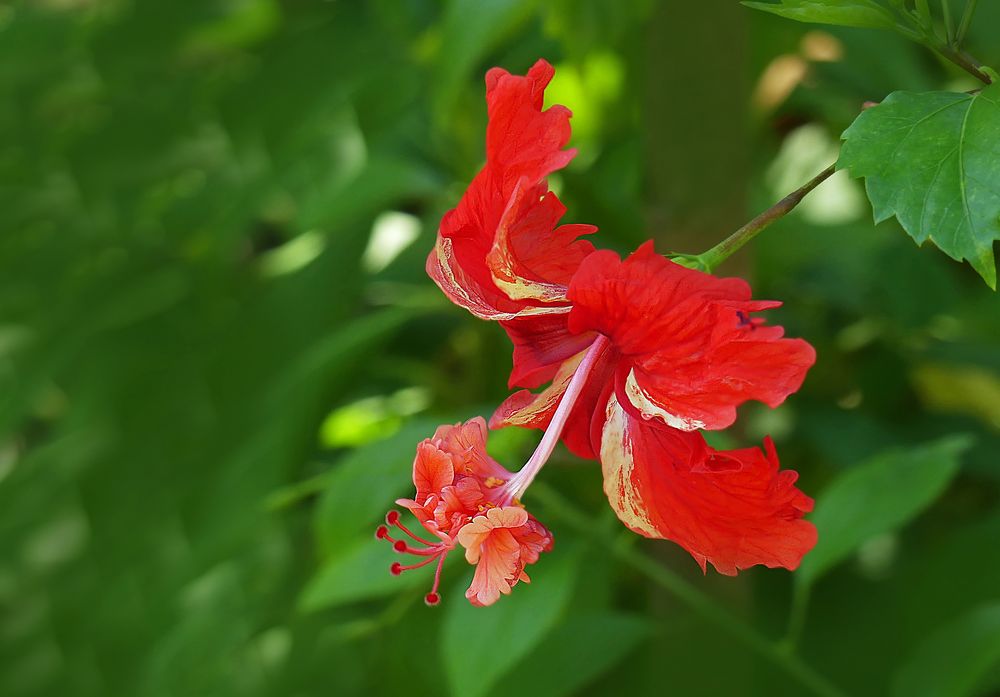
(949, 26)
(963, 25)
(963, 60)
(722, 251)
(688, 594)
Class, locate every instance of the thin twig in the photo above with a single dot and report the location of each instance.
(964, 61)
(722, 251)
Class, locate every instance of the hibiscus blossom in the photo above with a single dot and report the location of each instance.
(465, 498)
(636, 357)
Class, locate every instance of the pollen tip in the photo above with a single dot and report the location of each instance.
(396, 569)
(392, 517)
(381, 532)
(432, 599)
(399, 546)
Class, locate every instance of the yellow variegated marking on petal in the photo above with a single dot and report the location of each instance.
(617, 464)
(501, 262)
(518, 288)
(477, 306)
(550, 396)
(649, 409)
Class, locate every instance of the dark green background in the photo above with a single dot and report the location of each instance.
(208, 398)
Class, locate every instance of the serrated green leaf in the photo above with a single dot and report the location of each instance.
(480, 644)
(846, 13)
(576, 652)
(933, 160)
(876, 497)
(954, 659)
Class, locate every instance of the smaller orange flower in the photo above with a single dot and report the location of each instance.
(464, 497)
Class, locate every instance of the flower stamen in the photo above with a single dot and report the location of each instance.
(432, 552)
(433, 598)
(396, 569)
(392, 518)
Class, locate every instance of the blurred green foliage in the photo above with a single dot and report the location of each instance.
(218, 349)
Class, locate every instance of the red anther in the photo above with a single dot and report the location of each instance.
(396, 569)
(400, 546)
(381, 533)
(392, 517)
(432, 599)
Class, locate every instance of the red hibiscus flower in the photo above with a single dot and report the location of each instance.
(639, 355)
(465, 498)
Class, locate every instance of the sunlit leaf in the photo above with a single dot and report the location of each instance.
(933, 160)
(848, 13)
(365, 483)
(470, 29)
(878, 496)
(954, 660)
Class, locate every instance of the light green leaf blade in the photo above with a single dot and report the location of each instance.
(876, 497)
(480, 644)
(932, 160)
(847, 13)
(576, 652)
(954, 660)
(359, 572)
(469, 30)
(364, 485)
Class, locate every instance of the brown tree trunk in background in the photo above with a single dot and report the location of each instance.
(697, 123)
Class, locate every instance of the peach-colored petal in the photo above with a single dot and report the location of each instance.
(467, 445)
(496, 552)
(433, 469)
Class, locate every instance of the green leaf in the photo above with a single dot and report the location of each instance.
(847, 13)
(470, 29)
(876, 497)
(359, 572)
(954, 660)
(932, 160)
(576, 652)
(480, 644)
(364, 484)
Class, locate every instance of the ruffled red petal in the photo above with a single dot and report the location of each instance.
(499, 253)
(733, 509)
(690, 352)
